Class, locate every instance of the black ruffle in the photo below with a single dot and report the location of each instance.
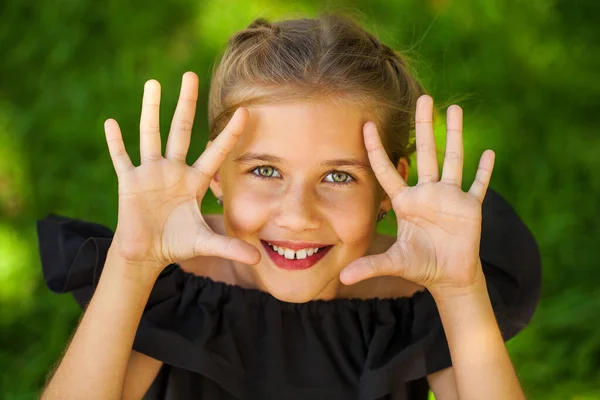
(255, 346)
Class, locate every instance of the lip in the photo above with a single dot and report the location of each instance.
(294, 265)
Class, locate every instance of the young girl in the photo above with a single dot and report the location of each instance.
(291, 293)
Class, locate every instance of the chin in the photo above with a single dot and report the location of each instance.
(287, 282)
(295, 289)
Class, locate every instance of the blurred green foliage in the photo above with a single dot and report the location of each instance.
(525, 71)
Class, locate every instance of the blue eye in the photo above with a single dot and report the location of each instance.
(339, 177)
(265, 171)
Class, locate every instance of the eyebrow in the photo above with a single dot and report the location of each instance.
(250, 157)
(347, 163)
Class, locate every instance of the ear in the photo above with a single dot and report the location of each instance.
(402, 167)
(215, 184)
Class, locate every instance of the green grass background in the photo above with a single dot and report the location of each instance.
(525, 73)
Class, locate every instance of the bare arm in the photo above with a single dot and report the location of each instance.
(141, 372)
(159, 223)
(95, 363)
(481, 364)
(443, 384)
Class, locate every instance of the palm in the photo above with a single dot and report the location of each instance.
(158, 201)
(439, 225)
(432, 231)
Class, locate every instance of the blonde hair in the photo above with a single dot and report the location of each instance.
(332, 56)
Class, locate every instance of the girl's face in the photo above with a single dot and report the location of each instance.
(299, 178)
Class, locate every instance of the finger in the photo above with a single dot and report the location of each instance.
(209, 162)
(483, 175)
(453, 158)
(181, 128)
(150, 146)
(382, 166)
(427, 165)
(116, 147)
(369, 267)
(227, 247)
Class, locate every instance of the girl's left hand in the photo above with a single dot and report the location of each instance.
(439, 225)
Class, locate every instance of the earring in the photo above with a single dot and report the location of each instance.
(220, 201)
(381, 215)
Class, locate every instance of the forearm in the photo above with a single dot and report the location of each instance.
(482, 366)
(95, 362)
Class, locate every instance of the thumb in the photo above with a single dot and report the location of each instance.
(370, 267)
(227, 247)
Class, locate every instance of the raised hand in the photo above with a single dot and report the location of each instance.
(159, 219)
(439, 225)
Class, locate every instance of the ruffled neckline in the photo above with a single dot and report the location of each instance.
(253, 295)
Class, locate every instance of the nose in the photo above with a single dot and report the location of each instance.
(297, 210)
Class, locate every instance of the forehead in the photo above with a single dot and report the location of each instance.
(315, 126)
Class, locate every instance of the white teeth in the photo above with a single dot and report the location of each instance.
(301, 254)
(289, 254)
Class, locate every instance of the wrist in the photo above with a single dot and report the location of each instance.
(136, 274)
(474, 287)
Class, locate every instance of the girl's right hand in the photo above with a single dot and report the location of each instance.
(159, 219)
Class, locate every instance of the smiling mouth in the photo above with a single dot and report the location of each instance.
(289, 259)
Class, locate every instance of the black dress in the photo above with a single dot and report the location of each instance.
(220, 341)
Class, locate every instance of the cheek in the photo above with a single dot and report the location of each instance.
(352, 215)
(247, 208)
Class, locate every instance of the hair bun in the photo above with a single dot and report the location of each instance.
(260, 22)
(260, 27)
(388, 52)
(263, 23)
